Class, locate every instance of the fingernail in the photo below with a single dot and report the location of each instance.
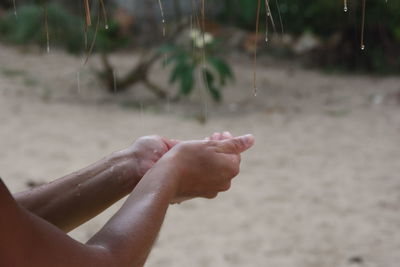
(248, 139)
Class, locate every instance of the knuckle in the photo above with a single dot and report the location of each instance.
(212, 195)
(211, 143)
(238, 144)
(226, 187)
(235, 170)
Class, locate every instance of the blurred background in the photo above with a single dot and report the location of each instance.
(320, 188)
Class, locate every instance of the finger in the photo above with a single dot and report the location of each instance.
(235, 145)
(225, 187)
(211, 195)
(215, 136)
(226, 135)
(170, 142)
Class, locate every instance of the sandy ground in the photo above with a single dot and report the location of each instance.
(321, 188)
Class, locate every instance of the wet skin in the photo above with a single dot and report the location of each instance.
(154, 172)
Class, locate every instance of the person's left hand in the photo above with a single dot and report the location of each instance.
(147, 150)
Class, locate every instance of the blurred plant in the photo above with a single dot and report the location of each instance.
(65, 29)
(340, 30)
(199, 55)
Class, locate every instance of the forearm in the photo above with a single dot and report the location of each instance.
(131, 232)
(75, 198)
(124, 241)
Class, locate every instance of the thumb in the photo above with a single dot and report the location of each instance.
(235, 145)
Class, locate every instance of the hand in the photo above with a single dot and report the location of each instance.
(147, 150)
(205, 168)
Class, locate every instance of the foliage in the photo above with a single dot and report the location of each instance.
(327, 18)
(197, 56)
(65, 29)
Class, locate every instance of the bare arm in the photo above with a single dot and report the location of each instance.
(126, 239)
(72, 200)
(28, 240)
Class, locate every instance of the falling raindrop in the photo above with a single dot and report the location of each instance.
(103, 8)
(268, 17)
(15, 8)
(363, 25)
(46, 25)
(255, 47)
(162, 16)
(266, 20)
(280, 16)
(345, 6)
(87, 13)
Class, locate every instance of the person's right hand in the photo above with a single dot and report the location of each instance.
(205, 168)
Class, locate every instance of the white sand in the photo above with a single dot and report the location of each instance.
(321, 186)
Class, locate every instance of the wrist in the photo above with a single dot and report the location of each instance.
(171, 171)
(124, 167)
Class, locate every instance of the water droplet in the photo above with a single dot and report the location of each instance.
(363, 25)
(266, 39)
(255, 91)
(106, 27)
(15, 8)
(48, 48)
(345, 9)
(162, 16)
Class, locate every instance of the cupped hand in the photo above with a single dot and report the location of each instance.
(147, 150)
(205, 168)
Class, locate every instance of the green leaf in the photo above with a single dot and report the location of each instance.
(174, 74)
(214, 91)
(222, 69)
(183, 72)
(166, 48)
(187, 80)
